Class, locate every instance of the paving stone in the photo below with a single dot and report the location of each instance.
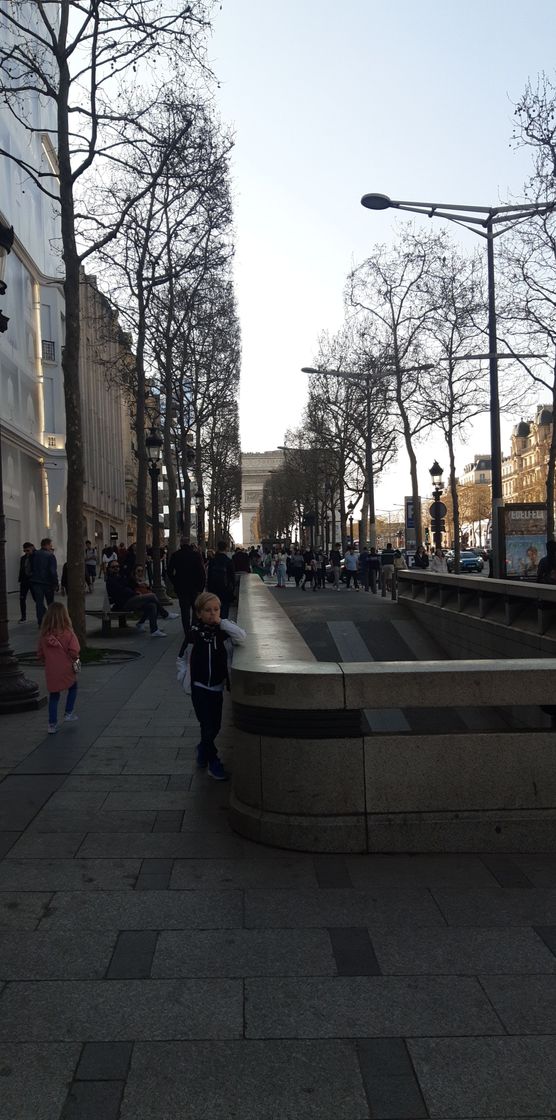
(168, 822)
(547, 935)
(7, 841)
(244, 1080)
(486, 1077)
(390, 1083)
(145, 910)
(21, 909)
(77, 802)
(104, 1061)
(462, 951)
(367, 871)
(89, 1100)
(340, 908)
(179, 782)
(133, 955)
(146, 800)
(69, 874)
(540, 869)
(53, 845)
(106, 1010)
(48, 821)
(155, 875)
(332, 872)
(34, 1079)
(353, 952)
(502, 906)
(525, 1004)
(22, 796)
(44, 955)
(373, 1006)
(282, 873)
(140, 766)
(507, 872)
(112, 783)
(244, 952)
(161, 845)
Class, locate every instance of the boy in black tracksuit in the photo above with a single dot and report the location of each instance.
(208, 666)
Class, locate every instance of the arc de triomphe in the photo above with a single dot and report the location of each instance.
(255, 469)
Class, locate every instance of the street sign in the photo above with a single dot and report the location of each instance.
(442, 510)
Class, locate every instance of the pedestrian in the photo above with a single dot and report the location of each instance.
(58, 648)
(121, 553)
(438, 563)
(24, 578)
(321, 570)
(297, 566)
(336, 560)
(205, 670)
(350, 563)
(373, 569)
(308, 557)
(140, 586)
(280, 569)
(44, 577)
(124, 597)
(108, 554)
(221, 578)
(91, 558)
(546, 571)
(399, 561)
(364, 558)
(387, 568)
(186, 572)
(421, 560)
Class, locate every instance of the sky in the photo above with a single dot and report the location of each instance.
(329, 101)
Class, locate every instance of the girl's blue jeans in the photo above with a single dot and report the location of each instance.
(53, 698)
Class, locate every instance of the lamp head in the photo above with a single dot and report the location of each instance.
(153, 443)
(436, 473)
(376, 201)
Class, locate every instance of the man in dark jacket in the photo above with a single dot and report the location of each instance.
(124, 598)
(221, 578)
(24, 578)
(186, 573)
(44, 577)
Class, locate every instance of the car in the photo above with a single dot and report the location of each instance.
(468, 562)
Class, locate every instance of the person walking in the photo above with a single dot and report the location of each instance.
(421, 560)
(91, 557)
(24, 578)
(44, 577)
(221, 578)
(336, 560)
(186, 572)
(309, 573)
(124, 597)
(205, 670)
(350, 561)
(438, 563)
(373, 569)
(297, 566)
(58, 649)
(280, 570)
(364, 558)
(387, 568)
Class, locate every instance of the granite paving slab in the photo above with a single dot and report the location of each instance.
(89, 1100)
(104, 1061)
(144, 910)
(107, 1010)
(540, 869)
(244, 952)
(189, 874)
(488, 1077)
(525, 1004)
(141, 766)
(44, 955)
(463, 951)
(49, 845)
(367, 1006)
(112, 783)
(146, 800)
(22, 909)
(501, 906)
(69, 874)
(35, 1079)
(49, 821)
(377, 910)
(7, 841)
(160, 845)
(456, 871)
(244, 1080)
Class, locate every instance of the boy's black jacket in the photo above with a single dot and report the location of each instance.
(209, 658)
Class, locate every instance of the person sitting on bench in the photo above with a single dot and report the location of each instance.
(123, 598)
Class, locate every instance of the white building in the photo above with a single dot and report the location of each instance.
(256, 467)
(31, 388)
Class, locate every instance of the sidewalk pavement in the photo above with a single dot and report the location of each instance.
(155, 966)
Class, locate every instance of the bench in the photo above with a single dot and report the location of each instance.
(108, 616)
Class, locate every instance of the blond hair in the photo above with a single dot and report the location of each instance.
(56, 620)
(204, 598)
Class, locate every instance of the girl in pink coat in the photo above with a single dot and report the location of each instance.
(59, 649)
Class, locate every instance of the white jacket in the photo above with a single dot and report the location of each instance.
(236, 637)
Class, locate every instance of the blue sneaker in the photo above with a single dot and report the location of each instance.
(217, 771)
(201, 758)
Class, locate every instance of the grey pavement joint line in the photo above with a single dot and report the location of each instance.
(155, 875)
(133, 955)
(353, 952)
(506, 872)
(389, 1080)
(548, 935)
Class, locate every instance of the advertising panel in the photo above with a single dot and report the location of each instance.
(524, 534)
(412, 518)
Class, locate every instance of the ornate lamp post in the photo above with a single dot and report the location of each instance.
(350, 509)
(438, 507)
(488, 222)
(153, 443)
(199, 498)
(17, 692)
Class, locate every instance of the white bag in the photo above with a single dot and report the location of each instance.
(183, 670)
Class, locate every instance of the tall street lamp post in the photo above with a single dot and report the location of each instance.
(488, 222)
(153, 443)
(438, 507)
(350, 519)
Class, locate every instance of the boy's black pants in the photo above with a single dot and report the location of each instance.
(207, 706)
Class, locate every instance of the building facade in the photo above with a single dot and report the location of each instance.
(255, 470)
(524, 470)
(477, 472)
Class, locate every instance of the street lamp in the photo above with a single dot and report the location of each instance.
(350, 518)
(153, 443)
(438, 507)
(488, 222)
(199, 496)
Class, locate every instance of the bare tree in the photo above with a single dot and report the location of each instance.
(77, 56)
